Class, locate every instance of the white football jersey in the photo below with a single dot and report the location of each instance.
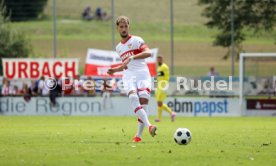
(134, 45)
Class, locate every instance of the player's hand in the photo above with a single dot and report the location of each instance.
(110, 71)
(124, 65)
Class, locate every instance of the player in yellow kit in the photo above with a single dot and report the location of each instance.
(163, 77)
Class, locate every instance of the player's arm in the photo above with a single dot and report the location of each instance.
(144, 50)
(145, 54)
(115, 69)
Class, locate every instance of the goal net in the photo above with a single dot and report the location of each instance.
(258, 83)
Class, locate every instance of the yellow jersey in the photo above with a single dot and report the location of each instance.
(163, 73)
(163, 76)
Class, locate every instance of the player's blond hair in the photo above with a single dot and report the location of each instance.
(122, 19)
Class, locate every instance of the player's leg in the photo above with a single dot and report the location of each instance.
(141, 125)
(159, 109)
(140, 128)
(160, 97)
(130, 88)
(144, 96)
(162, 106)
(144, 104)
(104, 100)
(167, 109)
(143, 88)
(138, 109)
(141, 113)
(108, 100)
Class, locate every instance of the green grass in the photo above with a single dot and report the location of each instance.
(106, 141)
(81, 30)
(187, 11)
(194, 52)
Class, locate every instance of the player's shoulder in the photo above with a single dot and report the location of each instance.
(165, 66)
(137, 38)
(118, 46)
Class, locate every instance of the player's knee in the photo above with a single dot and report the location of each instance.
(134, 100)
(144, 101)
(133, 96)
(144, 95)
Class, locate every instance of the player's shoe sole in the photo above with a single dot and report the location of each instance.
(136, 139)
(152, 130)
(173, 116)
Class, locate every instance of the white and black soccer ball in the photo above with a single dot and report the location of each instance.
(182, 136)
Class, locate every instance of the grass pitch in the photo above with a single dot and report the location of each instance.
(107, 141)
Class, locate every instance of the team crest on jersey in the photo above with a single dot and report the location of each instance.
(129, 46)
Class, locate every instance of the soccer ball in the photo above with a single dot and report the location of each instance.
(182, 136)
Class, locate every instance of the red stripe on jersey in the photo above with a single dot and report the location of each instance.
(129, 53)
(142, 89)
(143, 47)
(135, 51)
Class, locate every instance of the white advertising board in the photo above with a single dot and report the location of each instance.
(93, 106)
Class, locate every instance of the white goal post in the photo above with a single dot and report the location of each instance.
(241, 75)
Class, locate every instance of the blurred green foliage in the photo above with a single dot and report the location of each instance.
(13, 43)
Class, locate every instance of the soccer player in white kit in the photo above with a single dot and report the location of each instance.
(136, 77)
